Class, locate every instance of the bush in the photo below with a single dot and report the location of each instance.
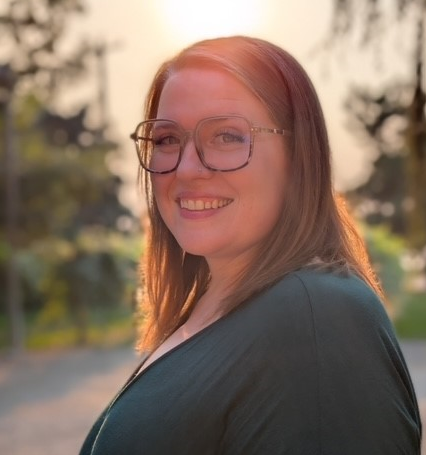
(73, 289)
(385, 250)
(411, 322)
(407, 308)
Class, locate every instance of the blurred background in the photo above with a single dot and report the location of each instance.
(73, 77)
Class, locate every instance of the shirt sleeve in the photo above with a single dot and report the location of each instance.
(326, 377)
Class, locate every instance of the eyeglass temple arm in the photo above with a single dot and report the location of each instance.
(135, 137)
(261, 129)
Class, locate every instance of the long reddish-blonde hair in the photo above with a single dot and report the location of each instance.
(314, 229)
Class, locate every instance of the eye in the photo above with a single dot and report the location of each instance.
(166, 139)
(228, 137)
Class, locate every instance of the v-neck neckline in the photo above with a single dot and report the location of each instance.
(137, 374)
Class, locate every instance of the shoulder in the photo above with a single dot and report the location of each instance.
(328, 284)
(345, 298)
(317, 285)
(348, 322)
(322, 342)
(328, 310)
(330, 293)
(327, 303)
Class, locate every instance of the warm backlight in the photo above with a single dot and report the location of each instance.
(191, 20)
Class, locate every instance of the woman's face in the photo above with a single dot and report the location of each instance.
(222, 216)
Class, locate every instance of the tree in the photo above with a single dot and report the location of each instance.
(382, 120)
(58, 181)
(30, 32)
(349, 17)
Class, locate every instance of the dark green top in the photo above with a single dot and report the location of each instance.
(311, 366)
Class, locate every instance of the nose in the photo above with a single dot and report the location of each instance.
(190, 165)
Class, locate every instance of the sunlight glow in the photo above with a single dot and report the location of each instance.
(192, 20)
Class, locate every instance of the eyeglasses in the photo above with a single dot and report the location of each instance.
(222, 143)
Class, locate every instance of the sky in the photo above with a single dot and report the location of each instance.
(143, 33)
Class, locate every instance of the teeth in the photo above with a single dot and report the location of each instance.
(198, 205)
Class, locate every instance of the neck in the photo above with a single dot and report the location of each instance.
(209, 306)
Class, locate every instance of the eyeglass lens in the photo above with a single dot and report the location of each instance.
(223, 143)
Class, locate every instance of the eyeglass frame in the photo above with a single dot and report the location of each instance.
(188, 134)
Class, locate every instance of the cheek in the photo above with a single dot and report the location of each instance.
(263, 208)
(274, 197)
(160, 185)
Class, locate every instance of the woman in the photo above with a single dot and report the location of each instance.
(265, 333)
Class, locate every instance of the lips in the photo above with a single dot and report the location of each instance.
(200, 205)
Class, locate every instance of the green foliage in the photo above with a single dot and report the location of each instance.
(74, 290)
(105, 328)
(64, 230)
(95, 270)
(63, 186)
(385, 251)
(408, 307)
(67, 242)
(411, 323)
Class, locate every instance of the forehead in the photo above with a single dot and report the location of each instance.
(207, 91)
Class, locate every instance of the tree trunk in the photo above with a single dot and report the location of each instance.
(13, 289)
(417, 152)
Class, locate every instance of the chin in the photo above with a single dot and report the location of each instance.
(196, 246)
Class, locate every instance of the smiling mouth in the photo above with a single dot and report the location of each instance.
(198, 205)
